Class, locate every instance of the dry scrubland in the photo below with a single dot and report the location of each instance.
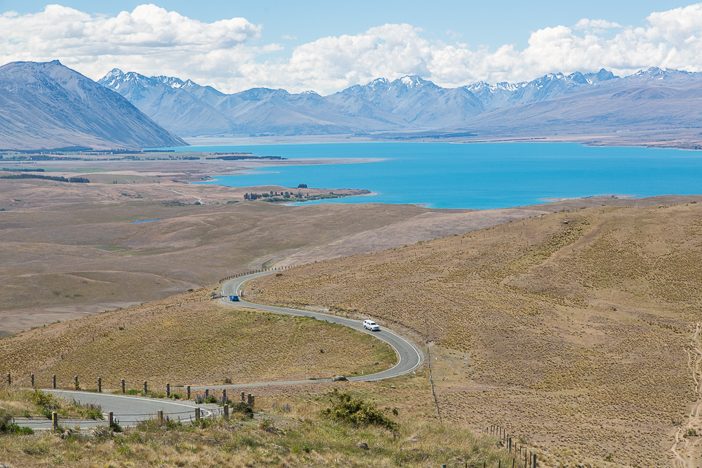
(188, 339)
(289, 430)
(70, 250)
(575, 330)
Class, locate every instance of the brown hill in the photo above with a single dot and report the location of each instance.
(579, 330)
(188, 339)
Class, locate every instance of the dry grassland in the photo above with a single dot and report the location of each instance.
(289, 430)
(70, 251)
(188, 339)
(575, 330)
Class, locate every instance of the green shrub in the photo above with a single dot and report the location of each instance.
(91, 411)
(7, 425)
(242, 408)
(357, 412)
(48, 403)
(116, 427)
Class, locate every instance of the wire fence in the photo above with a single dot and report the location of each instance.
(521, 454)
(201, 409)
(253, 272)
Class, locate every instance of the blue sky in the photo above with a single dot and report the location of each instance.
(325, 46)
(478, 23)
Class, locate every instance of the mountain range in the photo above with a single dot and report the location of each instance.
(651, 104)
(47, 105)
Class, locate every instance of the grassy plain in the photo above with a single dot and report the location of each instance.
(578, 331)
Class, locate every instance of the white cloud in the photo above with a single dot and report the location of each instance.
(596, 24)
(148, 38)
(228, 53)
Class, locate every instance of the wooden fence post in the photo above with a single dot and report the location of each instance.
(53, 381)
(75, 382)
(168, 390)
(146, 387)
(9, 378)
(32, 377)
(243, 397)
(99, 384)
(160, 417)
(533, 460)
(54, 421)
(187, 389)
(197, 414)
(111, 419)
(226, 411)
(123, 384)
(207, 394)
(224, 396)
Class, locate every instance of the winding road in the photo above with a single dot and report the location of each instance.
(130, 410)
(409, 355)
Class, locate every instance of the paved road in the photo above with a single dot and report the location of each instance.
(128, 410)
(409, 355)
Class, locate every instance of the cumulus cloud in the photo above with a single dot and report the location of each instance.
(149, 38)
(596, 24)
(231, 54)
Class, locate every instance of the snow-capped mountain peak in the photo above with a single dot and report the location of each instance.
(175, 83)
(412, 81)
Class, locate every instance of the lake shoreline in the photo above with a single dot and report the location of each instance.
(588, 140)
(477, 176)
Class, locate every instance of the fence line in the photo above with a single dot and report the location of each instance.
(187, 416)
(522, 455)
(529, 459)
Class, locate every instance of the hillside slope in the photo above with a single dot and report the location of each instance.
(575, 330)
(47, 105)
(189, 339)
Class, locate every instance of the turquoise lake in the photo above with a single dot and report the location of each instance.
(481, 176)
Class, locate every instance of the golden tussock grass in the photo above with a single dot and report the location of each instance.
(188, 339)
(571, 329)
(290, 431)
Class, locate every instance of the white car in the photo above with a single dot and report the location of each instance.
(371, 325)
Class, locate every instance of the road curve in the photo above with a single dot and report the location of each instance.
(127, 410)
(409, 355)
(130, 410)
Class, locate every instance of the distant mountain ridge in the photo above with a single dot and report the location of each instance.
(554, 104)
(47, 105)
